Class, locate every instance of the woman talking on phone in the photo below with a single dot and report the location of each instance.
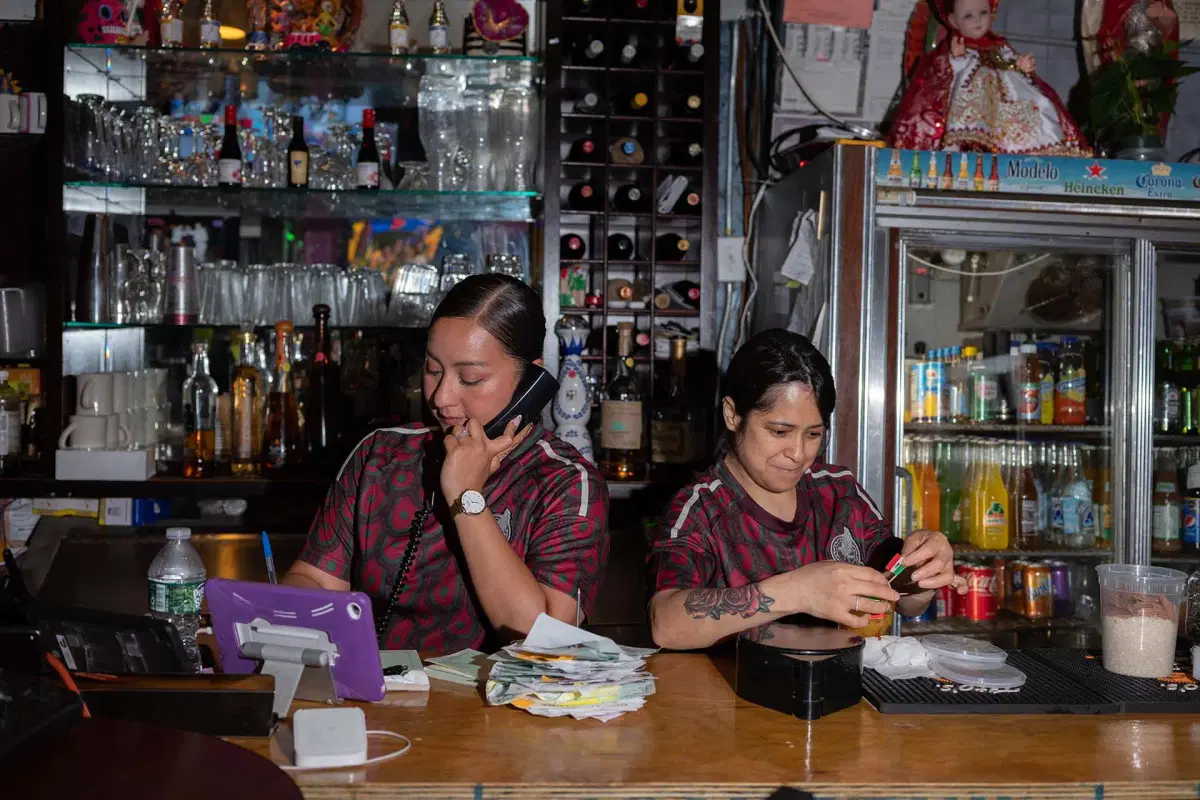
(770, 530)
(459, 538)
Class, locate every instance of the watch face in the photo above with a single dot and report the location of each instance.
(472, 502)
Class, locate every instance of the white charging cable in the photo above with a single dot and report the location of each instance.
(369, 762)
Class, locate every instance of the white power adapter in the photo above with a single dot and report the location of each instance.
(329, 737)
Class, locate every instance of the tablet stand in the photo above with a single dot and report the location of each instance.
(300, 659)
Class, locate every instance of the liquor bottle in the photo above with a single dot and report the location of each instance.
(588, 51)
(583, 149)
(635, 103)
(249, 399)
(367, 171)
(631, 199)
(297, 156)
(627, 56)
(684, 154)
(321, 423)
(673, 445)
(229, 158)
(210, 27)
(439, 29)
(571, 246)
(671, 247)
(691, 106)
(398, 29)
(620, 247)
(689, 56)
(282, 439)
(588, 103)
(10, 427)
(626, 150)
(199, 417)
(622, 455)
(170, 25)
(1166, 391)
(688, 203)
(584, 197)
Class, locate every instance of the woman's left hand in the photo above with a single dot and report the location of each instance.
(471, 457)
(932, 559)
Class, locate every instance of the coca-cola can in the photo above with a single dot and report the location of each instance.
(946, 602)
(980, 601)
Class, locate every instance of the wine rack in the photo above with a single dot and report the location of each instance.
(635, 111)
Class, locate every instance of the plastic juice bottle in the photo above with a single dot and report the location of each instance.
(1027, 376)
(913, 466)
(931, 492)
(993, 510)
(950, 480)
(1070, 397)
(1046, 357)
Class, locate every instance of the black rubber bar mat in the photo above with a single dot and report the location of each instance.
(1179, 693)
(1045, 692)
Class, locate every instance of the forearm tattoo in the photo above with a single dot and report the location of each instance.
(744, 601)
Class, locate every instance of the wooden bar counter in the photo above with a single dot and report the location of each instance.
(696, 739)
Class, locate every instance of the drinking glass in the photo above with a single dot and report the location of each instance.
(518, 116)
(440, 103)
(475, 141)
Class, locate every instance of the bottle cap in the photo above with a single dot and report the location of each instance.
(640, 100)
(179, 534)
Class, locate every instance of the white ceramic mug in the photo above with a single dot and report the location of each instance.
(122, 391)
(94, 393)
(156, 389)
(10, 113)
(93, 432)
(33, 112)
(134, 422)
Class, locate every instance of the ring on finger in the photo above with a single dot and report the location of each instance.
(856, 599)
(462, 433)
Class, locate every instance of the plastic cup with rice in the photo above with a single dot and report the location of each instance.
(1139, 608)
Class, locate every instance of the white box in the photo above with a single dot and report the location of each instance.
(104, 465)
(22, 10)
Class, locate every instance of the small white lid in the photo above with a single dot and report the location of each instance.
(968, 652)
(1001, 676)
(178, 534)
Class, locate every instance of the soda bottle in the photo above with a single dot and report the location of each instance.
(960, 389)
(1027, 376)
(1070, 398)
(1025, 533)
(1043, 479)
(1102, 497)
(1191, 511)
(949, 471)
(1166, 390)
(1165, 504)
(931, 492)
(913, 466)
(1079, 522)
(1060, 473)
(992, 514)
(1047, 353)
(177, 589)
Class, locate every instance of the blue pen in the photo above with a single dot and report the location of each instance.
(270, 559)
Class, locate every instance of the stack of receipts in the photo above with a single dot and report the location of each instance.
(560, 670)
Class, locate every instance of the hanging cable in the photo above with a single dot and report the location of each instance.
(969, 274)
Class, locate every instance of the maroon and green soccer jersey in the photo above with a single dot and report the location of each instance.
(547, 500)
(713, 534)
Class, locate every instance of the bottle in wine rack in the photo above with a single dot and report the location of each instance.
(571, 246)
(584, 197)
(636, 104)
(689, 202)
(297, 157)
(229, 158)
(584, 8)
(629, 53)
(632, 9)
(588, 51)
(626, 150)
(671, 247)
(683, 295)
(631, 199)
(688, 56)
(584, 149)
(691, 106)
(685, 154)
(620, 247)
(367, 170)
(589, 103)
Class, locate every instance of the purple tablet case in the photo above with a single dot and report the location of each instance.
(345, 616)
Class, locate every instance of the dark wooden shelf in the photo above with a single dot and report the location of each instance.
(1004, 622)
(166, 487)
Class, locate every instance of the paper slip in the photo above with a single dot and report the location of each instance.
(464, 667)
(560, 670)
(413, 679)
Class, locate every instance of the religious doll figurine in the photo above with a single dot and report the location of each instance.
(973, 92)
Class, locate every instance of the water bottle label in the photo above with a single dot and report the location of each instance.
(176, 598)
(1071, 518)
(1191, 520)
(1057, 515)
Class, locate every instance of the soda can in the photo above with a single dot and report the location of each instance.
(980, 601)
(928, 615)
(1039, 592)
(946, 602)
(1001, 567)
(1016, 587)
(933, 398)
(1060, 588)
(916, 391)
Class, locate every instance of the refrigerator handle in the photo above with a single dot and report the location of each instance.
(904, 477)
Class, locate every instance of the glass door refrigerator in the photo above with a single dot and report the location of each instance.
(992, 322)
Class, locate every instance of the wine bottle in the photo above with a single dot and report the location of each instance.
(671, 247)
(678, 295)
(588, 51)
(584, 197)
(589, 103)
(282, 449)
(439, 28)
(622, 455)
(321, 409)
(583, 149)
(631, 199)
(229, 158)
(636, 104)
(584, 8)
(634, 9)
(571, 246)
(620, 247)
(297, 156)
(689, 56)
(689, 203)
(367, 171)
(210, 27)
(249, 397)
(626, 150)
(673, 423)
(691, 106)
(685, 154)
(398, 29)
(627, 56)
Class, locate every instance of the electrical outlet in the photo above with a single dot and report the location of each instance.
(730, 263)
(920, 287)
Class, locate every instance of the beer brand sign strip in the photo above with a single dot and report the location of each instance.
(1044, 175)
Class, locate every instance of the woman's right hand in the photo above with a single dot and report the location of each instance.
(958, 47)
(839, 592)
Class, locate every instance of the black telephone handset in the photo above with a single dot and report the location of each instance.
(536, 389)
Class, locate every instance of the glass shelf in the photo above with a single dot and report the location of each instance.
(1012, 431)
(128, 72)
(112, 198)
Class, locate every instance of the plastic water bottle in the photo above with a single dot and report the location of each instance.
(177, 589)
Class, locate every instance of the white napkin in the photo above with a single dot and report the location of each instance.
(897, 657)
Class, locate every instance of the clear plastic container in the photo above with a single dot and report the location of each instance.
(964, 651)
(994, 676)
(1139, 609)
